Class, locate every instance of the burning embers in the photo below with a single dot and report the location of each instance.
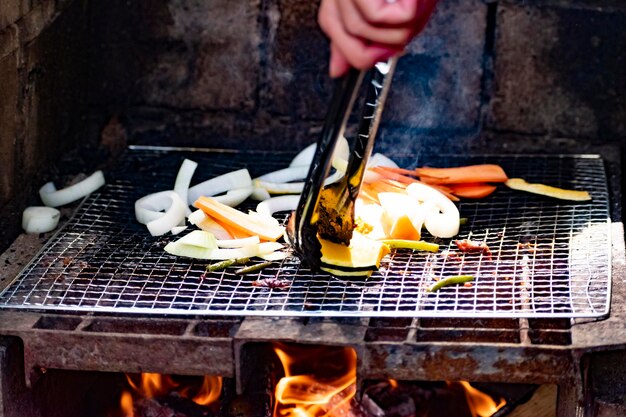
(164, 395)
(321, 382)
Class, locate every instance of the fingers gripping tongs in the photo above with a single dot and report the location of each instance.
(326, 209)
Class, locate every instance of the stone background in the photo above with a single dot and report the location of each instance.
(81, 78)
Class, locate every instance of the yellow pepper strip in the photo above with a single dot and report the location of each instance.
(548, 191)
(411, 244)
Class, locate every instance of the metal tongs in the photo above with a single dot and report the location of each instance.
(328, 210)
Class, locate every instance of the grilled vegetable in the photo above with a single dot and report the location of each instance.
(411, 244)
(218, 266)
(547, 190)
(360, 258)
(238, 220)
(458, 279)
(462, 175)
(252, 268)
(472, 190)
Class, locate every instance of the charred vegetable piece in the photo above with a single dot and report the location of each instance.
(271, 282)
(547, 190)
(218, 266)
(458, 279)
(252, 268)
(473, 246)
(411, 244)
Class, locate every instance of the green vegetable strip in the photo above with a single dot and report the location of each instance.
(218, 266)
(411, 244)
(458, 279)
(252, 268)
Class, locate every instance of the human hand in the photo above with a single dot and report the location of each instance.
(363, 32)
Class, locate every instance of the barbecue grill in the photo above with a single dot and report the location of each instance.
(550, 259)
(102, 280)
(534, 86)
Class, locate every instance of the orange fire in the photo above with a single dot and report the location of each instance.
(480, 404)
(154, 385)
(318, 382)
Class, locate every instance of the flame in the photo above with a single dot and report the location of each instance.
(480, 404)
(209, 391)
(393, 383)
(126, 404)
(303, 392)
(154, 385)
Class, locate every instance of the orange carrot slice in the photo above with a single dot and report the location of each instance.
(462, 175)
(472, 190)
(238, 220)
(390, 175)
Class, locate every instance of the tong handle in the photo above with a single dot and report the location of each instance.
(375, 97)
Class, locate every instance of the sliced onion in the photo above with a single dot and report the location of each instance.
(199, 238)
(275, 256)
(54, 198)
(276, 204)
(152, 206)
(268, 221)
(286, 174)
(204, 222)
(442, 218)
(147, 211)
(40, 219)
(235, 196)
(269, 247)
(183, 179)
(377, 160)
(260, 194)
(221, 184)
(189, 251)
(305, 157)
(196, 217)
(280, 187)
(178, 229)
(238, 243)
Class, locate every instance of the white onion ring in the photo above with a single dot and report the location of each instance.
(235, 196)
(40, 219)
(286, 174)
(377, 160)
(152, 206)
(276, 204)
(260, 194)
(221, 184)
(280, 187)
(183, 179)
(304, 157)
(147, 211)
(442, 218)
(52, 197)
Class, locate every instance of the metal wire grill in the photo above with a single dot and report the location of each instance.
(550, 258)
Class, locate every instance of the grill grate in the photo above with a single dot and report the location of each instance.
(550, 258)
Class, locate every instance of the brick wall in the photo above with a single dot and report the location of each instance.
(43, 79)
(225, 73)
